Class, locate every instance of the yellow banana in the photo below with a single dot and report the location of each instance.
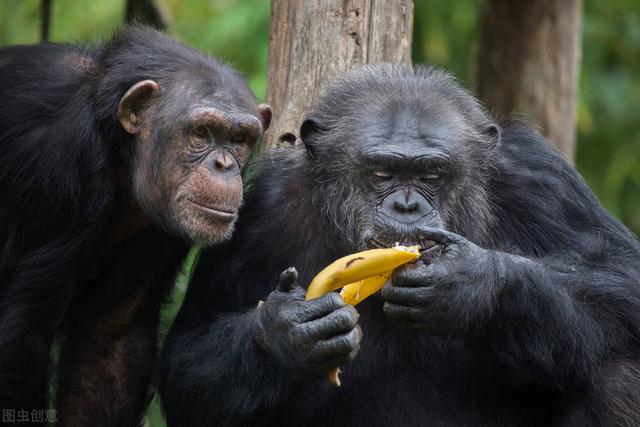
(356, 267)
(355, 293)
(359, 275)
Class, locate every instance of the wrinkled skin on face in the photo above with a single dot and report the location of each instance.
(189, 156)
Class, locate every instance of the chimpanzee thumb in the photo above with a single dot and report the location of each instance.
(288, 279)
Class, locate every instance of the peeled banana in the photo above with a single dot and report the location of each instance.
(360, 275)
(359, 266)
(355, 293)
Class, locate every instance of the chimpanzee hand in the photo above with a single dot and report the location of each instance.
(309, 337)
(454, 294)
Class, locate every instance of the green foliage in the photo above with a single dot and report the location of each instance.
(608, 126)
(608, 145)
(237, 31)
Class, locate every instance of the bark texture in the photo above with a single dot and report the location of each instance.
(528, 61)
(313, 42)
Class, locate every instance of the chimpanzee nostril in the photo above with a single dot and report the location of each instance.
(405, 206)
(223, 162)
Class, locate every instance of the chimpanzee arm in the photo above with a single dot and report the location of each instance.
(54, 200)
(212, 370)
(573, 305)
(217, 375)
(110, 334)
(562, 320)
(238, 366)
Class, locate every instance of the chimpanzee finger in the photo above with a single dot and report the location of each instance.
(288, 279)
(431, 275)
(409, 276)
(407, 296)
(319, 307)
(338, 346)
(438, 235)
(335, 323)
(404, 313)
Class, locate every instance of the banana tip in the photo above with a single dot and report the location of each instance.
(334, 377)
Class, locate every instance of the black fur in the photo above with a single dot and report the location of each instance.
(560, 350)
(62, 193)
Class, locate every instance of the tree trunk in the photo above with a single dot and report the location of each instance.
(313, 42)
(527, 62)
(145, 12)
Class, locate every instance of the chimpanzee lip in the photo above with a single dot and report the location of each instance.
(226, 215)
(425, 244)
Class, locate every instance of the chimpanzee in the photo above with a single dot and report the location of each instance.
(113, 160)
(525, 313)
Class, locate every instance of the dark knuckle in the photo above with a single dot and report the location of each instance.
(386, 308)
(352, 311)
(384, 292)
(289, 316)
(346, 343)
(336, 300)
(348, 317)
(343, 319)
(353, 338)
(358, 335)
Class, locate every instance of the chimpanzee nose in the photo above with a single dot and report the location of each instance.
(406, 203)
(223, 162)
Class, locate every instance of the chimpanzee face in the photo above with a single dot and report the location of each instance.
(192, 145)
(389, 164)
(407, 158)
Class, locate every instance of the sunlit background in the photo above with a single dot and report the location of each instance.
(608, 147)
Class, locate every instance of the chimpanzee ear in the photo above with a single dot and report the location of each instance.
(265, 115)
(133, 103)
(493, 133)
(308, 130)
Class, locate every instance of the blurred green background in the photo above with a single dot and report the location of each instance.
(608, 146)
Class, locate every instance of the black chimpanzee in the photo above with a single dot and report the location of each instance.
(112, 160)
(529, 316)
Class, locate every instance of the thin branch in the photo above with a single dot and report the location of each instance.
(45, 19)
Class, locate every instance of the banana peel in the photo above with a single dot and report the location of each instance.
(355, 293)
(359, 266)
(359, 275)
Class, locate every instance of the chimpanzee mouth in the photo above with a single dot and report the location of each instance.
(426, 245)
(222, 215)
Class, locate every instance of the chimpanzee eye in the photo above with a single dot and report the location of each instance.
(382, 175)
(201, 132)
(430, 177)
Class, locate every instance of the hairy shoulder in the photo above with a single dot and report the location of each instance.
(542, 204)
(52, 179)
